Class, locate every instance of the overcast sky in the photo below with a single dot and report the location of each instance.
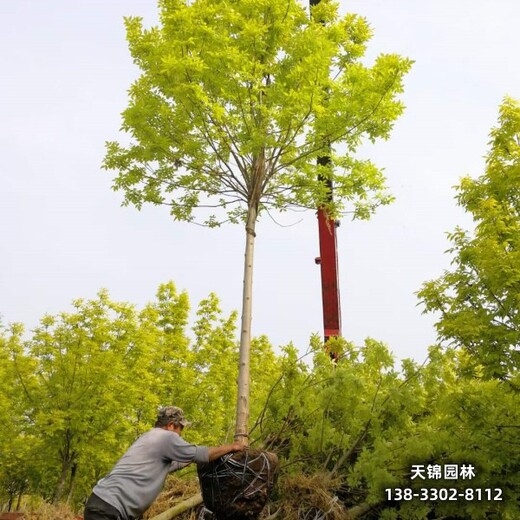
(65, 74)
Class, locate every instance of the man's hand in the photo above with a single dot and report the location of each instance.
(238, 446)
(218, 451)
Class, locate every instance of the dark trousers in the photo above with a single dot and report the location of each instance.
(97, 509)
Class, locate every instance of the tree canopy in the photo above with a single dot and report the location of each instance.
(237, 99)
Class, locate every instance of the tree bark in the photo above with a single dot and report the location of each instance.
(242, 413)
(20, 496)
(60, 488)
(72, 481)
(67, 461)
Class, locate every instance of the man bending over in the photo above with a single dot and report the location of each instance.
(138, 477)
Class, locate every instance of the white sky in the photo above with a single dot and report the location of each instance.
(65, 73)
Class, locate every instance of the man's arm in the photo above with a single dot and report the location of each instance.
(176, 466)
(218, 451)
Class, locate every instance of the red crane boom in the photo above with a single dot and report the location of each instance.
(328, 261)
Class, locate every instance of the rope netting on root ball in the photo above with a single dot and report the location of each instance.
(237, 486)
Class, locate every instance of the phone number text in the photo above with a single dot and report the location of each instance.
(443, 494)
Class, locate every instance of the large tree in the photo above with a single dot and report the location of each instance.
(478, 299)
(236, 101)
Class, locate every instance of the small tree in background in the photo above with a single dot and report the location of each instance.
(77, 389)
(478, 300)
(236, 101)
(17, 445)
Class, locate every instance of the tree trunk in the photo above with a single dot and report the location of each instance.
(177, 510)
(20, 496)
(67, 461)
(60, 488)
(72, 481)
(242, 414)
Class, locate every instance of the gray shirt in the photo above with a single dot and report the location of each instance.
(138, 476)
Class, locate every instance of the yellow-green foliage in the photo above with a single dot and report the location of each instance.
(86, 383)
(237, 99)
(478, 298)
(366, 422)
